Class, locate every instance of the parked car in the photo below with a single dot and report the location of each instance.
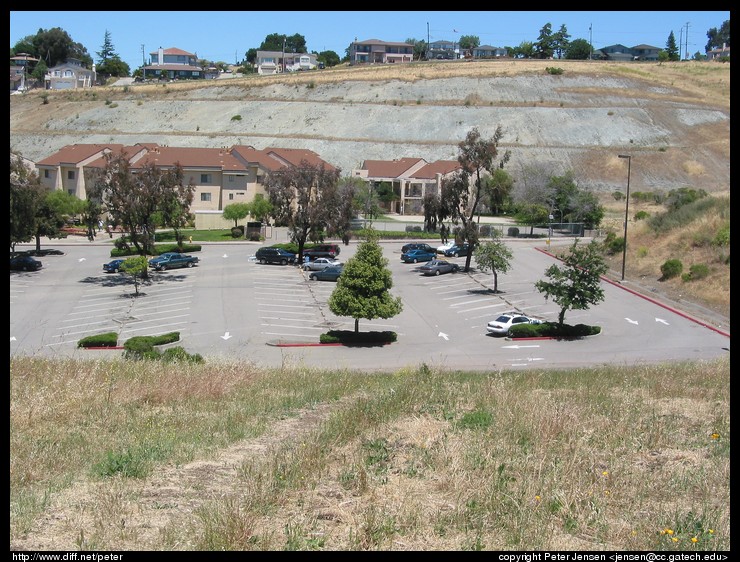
(444, 247)
(113, 266)
(457, 251)
(274, 255)
(501, 325)
(44, 252)
(415, 256)
(437, 267)
(320, 263)
(416, 246)
(24, 262)
(172, 260)
(322, 251)
(327, 274)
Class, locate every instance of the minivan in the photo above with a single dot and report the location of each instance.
(274, 255)
(322, 251)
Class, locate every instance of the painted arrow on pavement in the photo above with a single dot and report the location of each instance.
(631, 321)
(226, 336)
(662, 321)
(443, 335)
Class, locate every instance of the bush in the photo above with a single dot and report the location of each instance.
(178, 354)
(696, 272)
(513, 231)
(554, 330)
(485, 230)
(237, 232)
(142, 347)
(614, 245)
(722, 238)
(349, 337)
(554, 70)
(671, 268)
(641, 215)
(109, 339)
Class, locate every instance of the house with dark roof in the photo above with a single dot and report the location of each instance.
(411, 179)
(621, 53)
(442, 50)
(173, 64)
(489, 52)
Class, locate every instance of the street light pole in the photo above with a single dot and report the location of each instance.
(626, 210)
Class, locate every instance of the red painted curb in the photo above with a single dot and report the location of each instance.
(647, 298)
(106, 347)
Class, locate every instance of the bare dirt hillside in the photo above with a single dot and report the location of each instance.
(673, 118)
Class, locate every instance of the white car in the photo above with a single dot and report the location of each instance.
(501, 325)
(444, 247)
(320, 263)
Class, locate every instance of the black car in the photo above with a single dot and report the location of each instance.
(24, 263)
(417, 246)
(274, 255)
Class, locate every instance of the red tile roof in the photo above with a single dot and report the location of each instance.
(217, 158)
(76, 153)
(389, 168)
(172, 51)
(431, 170)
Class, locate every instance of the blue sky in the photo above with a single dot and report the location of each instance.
(226, 36)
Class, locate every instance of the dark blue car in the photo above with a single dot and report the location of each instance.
(113, 266)
(457, 251)
(415, 256)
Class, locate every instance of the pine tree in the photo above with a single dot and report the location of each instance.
(363, 288)
(671, 48)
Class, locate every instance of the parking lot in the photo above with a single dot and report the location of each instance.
(231, 307)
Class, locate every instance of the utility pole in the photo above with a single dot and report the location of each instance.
(687, 40)
(143, 58)
(680, 43)
(590, 42)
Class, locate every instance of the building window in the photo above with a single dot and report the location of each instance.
(70, 175)
(231, 196)
(205, 178)
(205, 197)
(231, 179)
(46, 173)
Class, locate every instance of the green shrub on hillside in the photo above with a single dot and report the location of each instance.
(671, 268)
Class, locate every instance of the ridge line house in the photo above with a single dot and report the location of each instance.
(374, 51)
(19, 71)
(411, 179)
(275, 62)
(621, 53)
(69, 75)
(171, 64)
(221, 176)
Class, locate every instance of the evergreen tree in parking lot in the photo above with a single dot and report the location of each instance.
(363, 288)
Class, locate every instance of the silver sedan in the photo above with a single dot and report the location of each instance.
(320, 264)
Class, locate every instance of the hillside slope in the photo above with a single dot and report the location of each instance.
(673, 119)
